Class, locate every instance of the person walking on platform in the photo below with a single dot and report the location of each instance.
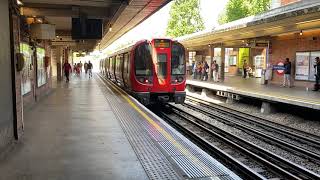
(215, 69)
(244, 67)
(90, 66)
(67, 68)
(287, 73)
(317, 74)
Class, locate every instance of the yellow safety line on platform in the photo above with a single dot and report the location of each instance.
(182, 149)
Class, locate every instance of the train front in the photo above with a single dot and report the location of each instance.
(169, 79)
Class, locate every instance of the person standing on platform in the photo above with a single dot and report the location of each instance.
(67, 68)
(317, 74)
(215, 69)
(287, 73)
(90, 67)
(205, 71)
(244, 67)
(85, 67)
(80, 66)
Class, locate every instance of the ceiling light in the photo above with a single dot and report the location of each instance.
(110, 28)
(301, 33)
(20, 3)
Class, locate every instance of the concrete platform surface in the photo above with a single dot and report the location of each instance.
(72, 134)
(252, 88)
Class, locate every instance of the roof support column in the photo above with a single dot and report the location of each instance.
(223, 57)
(211, 50)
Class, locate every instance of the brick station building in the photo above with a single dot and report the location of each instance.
(290, 30)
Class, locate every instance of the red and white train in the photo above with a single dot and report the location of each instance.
(151, 71)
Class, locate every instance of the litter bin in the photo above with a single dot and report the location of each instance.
(264, 79)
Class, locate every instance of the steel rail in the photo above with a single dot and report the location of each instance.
(289, 168)
(238, 166)
(297, 134)
(250, 130)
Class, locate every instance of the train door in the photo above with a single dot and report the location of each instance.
(125, 70)
(161, 61)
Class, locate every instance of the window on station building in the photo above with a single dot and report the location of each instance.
(143, 60)
(41, 72)
(192, 57)
(27, 70)
(177, 59)
(232, 60)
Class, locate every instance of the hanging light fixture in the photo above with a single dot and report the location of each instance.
(20, 3)
(301, 33)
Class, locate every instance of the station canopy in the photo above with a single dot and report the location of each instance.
(297, 17)
(119, 16)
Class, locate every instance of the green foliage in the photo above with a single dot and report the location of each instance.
(237, 9)
(184, 18)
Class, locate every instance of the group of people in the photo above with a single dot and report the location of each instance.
(200, 70)
(77, 69)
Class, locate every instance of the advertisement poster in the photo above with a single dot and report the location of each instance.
(41, 73)
(314, 54)
(302, 65)
(26, 71)
(244, 54)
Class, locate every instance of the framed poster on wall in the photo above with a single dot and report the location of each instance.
(302, 65)
(27, 69)
(313, 55)
(41, 73)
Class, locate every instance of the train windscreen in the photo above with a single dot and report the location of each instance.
(177, 59)
(143, 60)
(162, 65)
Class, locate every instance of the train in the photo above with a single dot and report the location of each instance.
(152, 71)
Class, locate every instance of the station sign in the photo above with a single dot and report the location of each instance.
(261, 45)
(279, 68)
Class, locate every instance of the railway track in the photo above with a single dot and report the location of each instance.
(306, 144)
(248, 159)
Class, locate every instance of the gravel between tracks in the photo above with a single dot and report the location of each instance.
(298, 160)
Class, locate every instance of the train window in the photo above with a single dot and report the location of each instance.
(118, 59)
(143, 60)
(126, 63)
(177, 59)
(162, 65)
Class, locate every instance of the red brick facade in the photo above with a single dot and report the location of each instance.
(288, 45)
(286, 2)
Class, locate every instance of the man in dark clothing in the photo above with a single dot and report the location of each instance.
(90, 67)
(67, 68)
(287, 73)
(244, 68)
(317, 74)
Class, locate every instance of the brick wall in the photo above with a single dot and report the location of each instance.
(287, 46)
(286, 2)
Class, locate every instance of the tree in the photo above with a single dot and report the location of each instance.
(237, 9)
(184, 18)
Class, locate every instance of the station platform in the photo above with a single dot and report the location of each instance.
(90, 129)
(252, 88)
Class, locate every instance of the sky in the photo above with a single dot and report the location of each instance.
(155, 26)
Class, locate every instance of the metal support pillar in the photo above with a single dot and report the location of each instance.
(223, 57)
